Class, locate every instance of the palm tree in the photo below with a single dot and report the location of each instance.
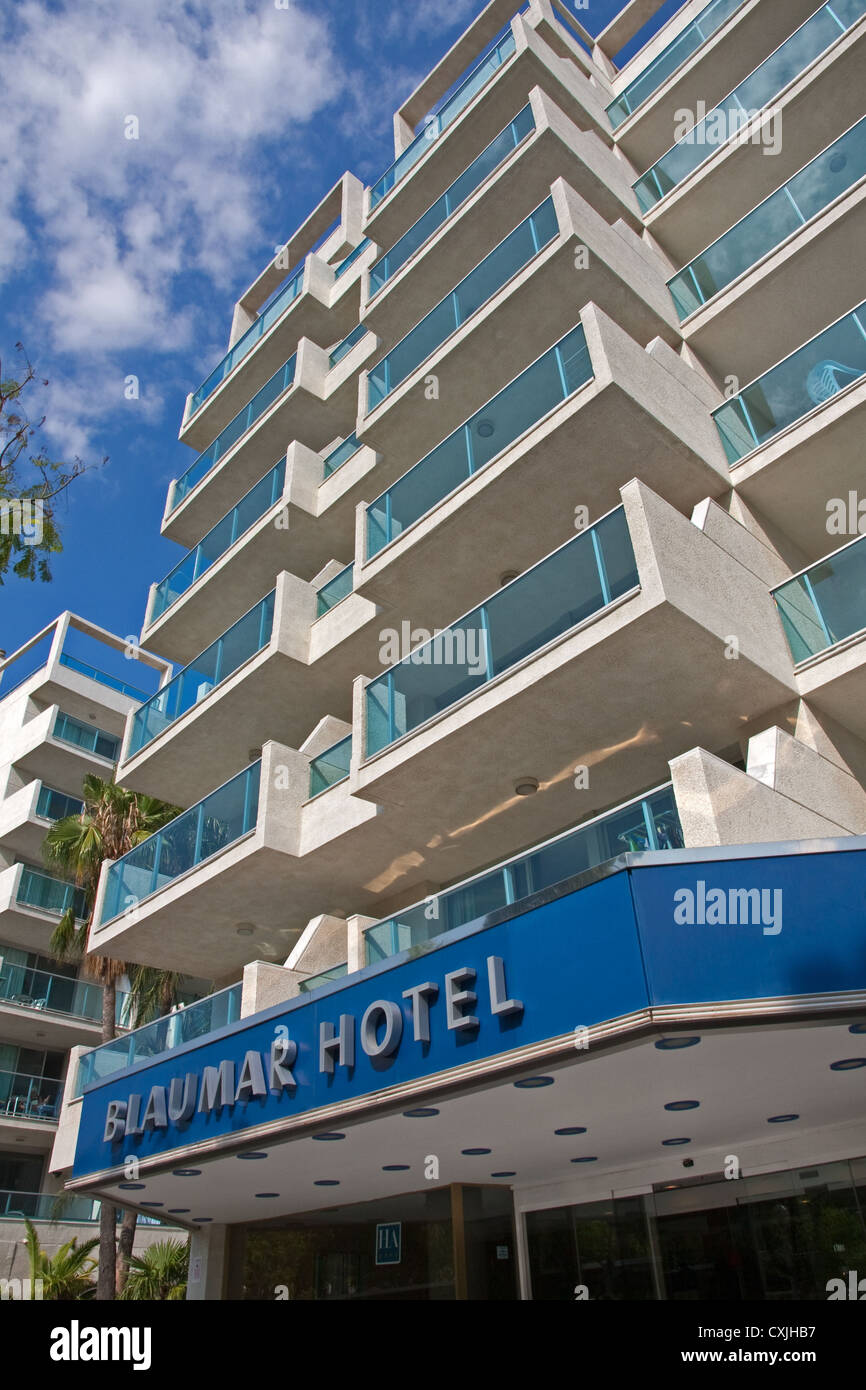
(112, 822)
(66, 1274)
(159, 1273)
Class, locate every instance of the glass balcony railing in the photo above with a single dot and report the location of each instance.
(649, 823)
(249, 635)
(281, 381)
(330, 767)
(85, 736)
(224, 816)
(693, 37)
(574, 583)
(260, 326)
(808, 377)
(337, 457)
(84, 669)
(752, 95)
(475, 290)
(337, 972)
(220, 538)
(501, 50)
(163, 1035)
(345, 347)
(42, 989)
(496, 153)
(785, 211)
(47, 1206)
(517, 408)
(47, 894)
(352, 257)
(25, 1097)
(826, 603)
(334, 591)
(53, 805)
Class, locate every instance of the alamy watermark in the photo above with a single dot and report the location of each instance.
(733, 907)
(452, 646)
(717, 128)
(23, 517)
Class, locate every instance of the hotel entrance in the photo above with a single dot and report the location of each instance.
(449, 1243)
(776, 1237)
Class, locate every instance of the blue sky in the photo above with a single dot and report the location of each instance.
(124, 258)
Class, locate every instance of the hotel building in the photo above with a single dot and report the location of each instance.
(519, 610)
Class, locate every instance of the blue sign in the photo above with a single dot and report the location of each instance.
(389, 1243)
(676, 930)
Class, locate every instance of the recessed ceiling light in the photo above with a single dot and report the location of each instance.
(673, 1044)
(249, 1158)
(244, 930)
(590, 1158)
(132, 1186)
(330, 1136)
(326, 1182)
(670, 1143)
(848, 1064)
(526, 786)
(506, 1173)
(266, 1195)
(151, 1204)
(781, 1119)
(682, 1105)
(421, 1112)
(571, 1129)
(178, 1211)
(857, 1028)
(395, 1168)
(472, 1152)
(202, 1219)
(531, 1083)
(186, 1172)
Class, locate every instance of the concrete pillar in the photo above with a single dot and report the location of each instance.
(208, 1264)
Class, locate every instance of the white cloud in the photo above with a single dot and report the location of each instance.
(105, 223)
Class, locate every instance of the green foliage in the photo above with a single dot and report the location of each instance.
(30, 482)
(159, 1273)
(65, 1275)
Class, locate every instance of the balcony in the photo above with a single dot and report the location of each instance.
(511, 256)
(648, 823)
(527, 301)
(538, 437)
(215, 823)
(163, 1035)
(86, 737)
(743, 298)
(490, 99)
(555, 634)
(499, 52)
(578, 581)
(26, 814)
(752, 95)
(801, 418)
(310, 399)
(64, 1010)
(825, 604)
(46, 894)
(739, 154)
(502, 185)
(823, 614)
(330, 767)
(79, 665)
(302, 639)
(56, 1207)
(677, 52)
(747, 33)
(29, 1100)
(242, 641)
